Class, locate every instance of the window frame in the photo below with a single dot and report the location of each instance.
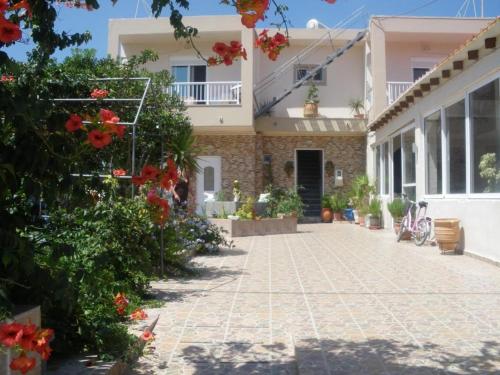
(443, 152)
(469, 194)
(322, 82)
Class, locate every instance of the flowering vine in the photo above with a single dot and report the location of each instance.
(25, 339)
(10, 31)
(158, 179)
(271, 46)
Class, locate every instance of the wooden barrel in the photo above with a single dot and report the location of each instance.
(447, 233)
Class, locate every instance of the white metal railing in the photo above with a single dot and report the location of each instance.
(395, 90)
(208, 93)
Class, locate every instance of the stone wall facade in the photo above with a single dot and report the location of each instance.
(243, 159)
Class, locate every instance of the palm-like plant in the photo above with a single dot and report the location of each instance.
(182, 148)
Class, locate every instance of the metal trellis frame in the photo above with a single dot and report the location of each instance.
(140, 100)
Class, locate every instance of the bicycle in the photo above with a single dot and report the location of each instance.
(419, 226)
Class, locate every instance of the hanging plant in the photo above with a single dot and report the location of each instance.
(329, 168)
(289, 168)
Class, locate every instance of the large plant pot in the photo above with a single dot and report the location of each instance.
(24, 315)
(337, 216)
(373, 222)
(311, 110)
(362, 221)
(397, 228)
(447, 233)
(326, 215)
(356, 216)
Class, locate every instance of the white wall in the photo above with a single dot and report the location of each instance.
(479, 215)
(345, 81)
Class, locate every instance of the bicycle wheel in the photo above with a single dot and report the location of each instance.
(402, 228)
(421, 232)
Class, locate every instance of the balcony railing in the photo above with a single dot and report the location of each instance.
(395, 90)
(208, 93)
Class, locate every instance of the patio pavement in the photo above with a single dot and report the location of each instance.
(332, 299)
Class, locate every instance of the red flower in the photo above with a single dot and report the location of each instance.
(119, 172)
(27, 340)
(9, 32)
(99, 139)
(280, 39)
(138, 180)
(4, 5)
(23, 4)
(99, 94)
(138, 314)
(107, 116)
(331, 1)
(150, 173)
(74, 123)
(121, 303)
(220, 48)
(10, 334)
(43, 338)
(147, 336)
(120, 131)
(228, 60)
(22, 363)
(212, 61)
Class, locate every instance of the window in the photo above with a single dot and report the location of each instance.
(419, 73)
(209, 179)
(385, 189)
(377, 169)
(396, 165)
(456, 146)
(433, 163)
(409, 160)
(302, 70)
(186, 78)
(485, 138)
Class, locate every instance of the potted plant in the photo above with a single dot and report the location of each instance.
(339, 204)
(360, 191)
(290, 204)
(374, 214)
(356, 106)
(312, 101)
(362, 212)
(397, 210)
(326, 209)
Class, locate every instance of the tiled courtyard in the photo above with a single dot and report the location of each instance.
(332, 299)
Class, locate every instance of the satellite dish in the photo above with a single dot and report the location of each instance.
(313, 24)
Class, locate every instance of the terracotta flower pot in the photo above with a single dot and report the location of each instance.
(361, 219)
(311, 110)
(447, 233)
(397, 228)
(337, 216)
(326, 215)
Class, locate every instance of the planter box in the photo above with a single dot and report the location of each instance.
(217, 209)
(244, 228)
(23, 315)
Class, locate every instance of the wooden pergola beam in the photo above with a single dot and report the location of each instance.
(490, 43)
(446, 73)
(417, 93)
(458, 65)
(434, 81)
(473, 54)
(425, 87)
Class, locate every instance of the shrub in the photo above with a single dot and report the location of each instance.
(339, 203)
(290, 204)
(396, 208)
(85, 257)
(375, 207)
(247, 211)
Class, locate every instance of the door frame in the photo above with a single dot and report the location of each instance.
(296, 166)
(199, 181)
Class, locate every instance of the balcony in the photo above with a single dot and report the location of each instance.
(395, 90)
(208, 93)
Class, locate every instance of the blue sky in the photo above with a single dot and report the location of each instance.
(77, 20)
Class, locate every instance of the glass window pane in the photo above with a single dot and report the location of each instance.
(419, 72)
(434, 170)
(455, 124)
(386, 169)
(208, 179)
(396, 164)
(409, 157)
(377, 168)
(411, 192)
(485, 118)
(180, 73)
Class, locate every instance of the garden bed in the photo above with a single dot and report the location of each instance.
(262, 227)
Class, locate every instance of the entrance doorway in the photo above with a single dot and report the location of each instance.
(208, 180)
(309, 180)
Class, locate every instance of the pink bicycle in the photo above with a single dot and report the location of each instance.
(419, 226)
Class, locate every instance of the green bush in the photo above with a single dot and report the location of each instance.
(85, 257)
(326, 201)
(291, 204)
(397, 208)
(338, 202)
(375, 207)
(247, 211)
